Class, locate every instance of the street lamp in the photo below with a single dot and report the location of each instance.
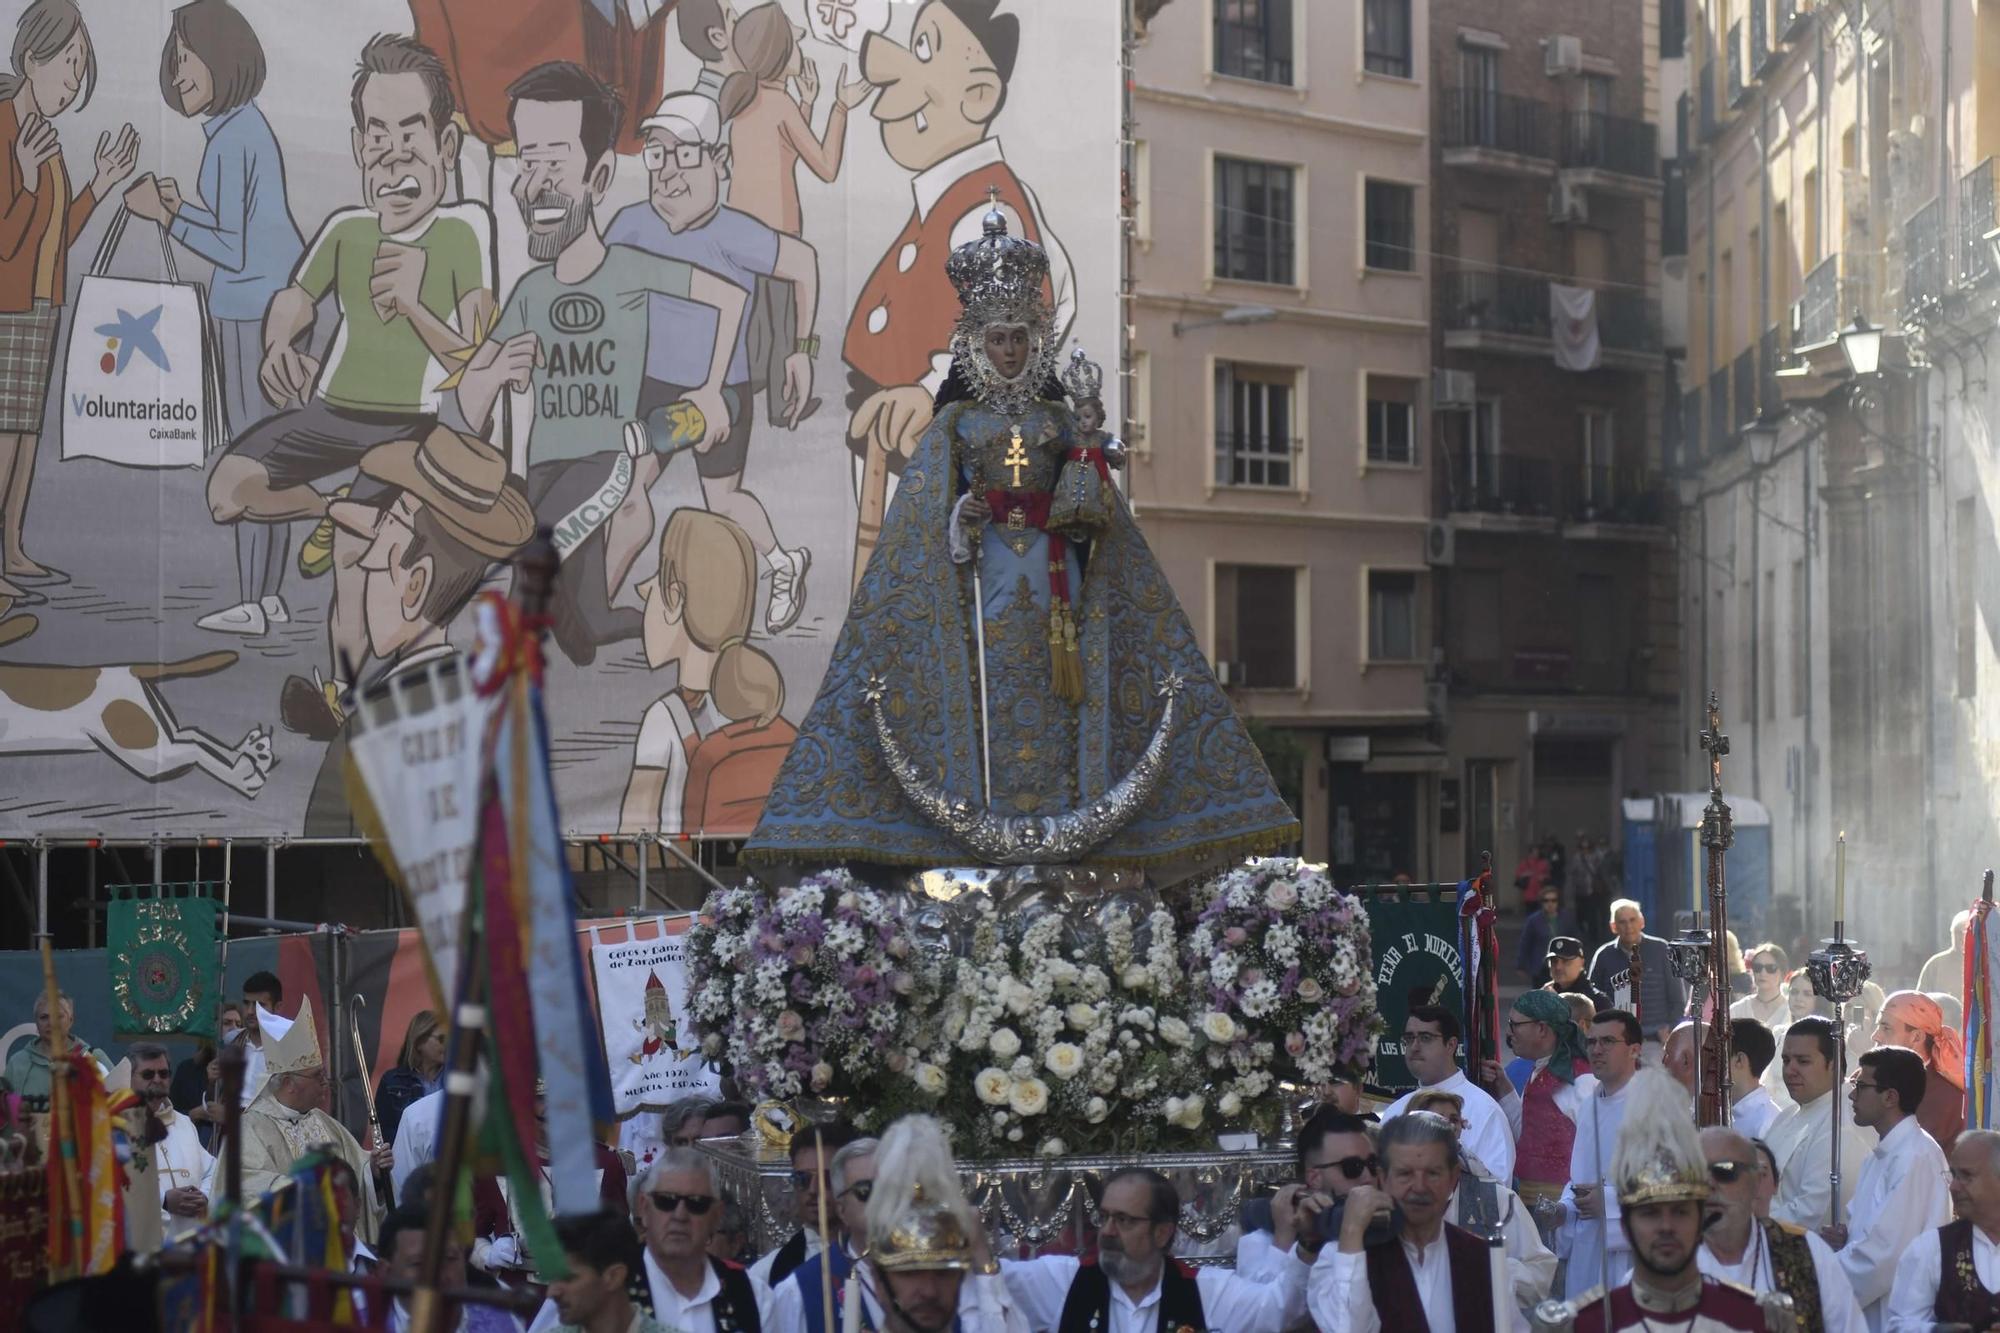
(1236, 314)
(1762, 437)
(1861, 344)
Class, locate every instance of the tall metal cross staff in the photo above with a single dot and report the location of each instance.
(1717, 833)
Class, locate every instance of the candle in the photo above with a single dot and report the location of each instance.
(1840, 880)
(1503, 1286)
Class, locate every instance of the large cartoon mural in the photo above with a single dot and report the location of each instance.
(309, 314)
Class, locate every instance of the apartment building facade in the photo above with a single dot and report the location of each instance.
(1280, 394)
(1551, 556)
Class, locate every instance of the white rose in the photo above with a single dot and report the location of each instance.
(1005, 1045)
(1064, 1059)
(1028, 1096)
(1229, 1105)
(1053, 1148)
(1096, 1110)
(992, 1085)
(1282, 895)
(1172, 1110)
(1190, 1113)
(1175, 1031)
(1082, 1017)
(1133, 978)
(822, 1076)
(1218, 1026)
(930, 1080)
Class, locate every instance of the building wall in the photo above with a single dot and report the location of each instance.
(1339, 516)
(1558, 610)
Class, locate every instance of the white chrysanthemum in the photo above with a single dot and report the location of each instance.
(1064, 1059)
(992, 1086)
(1053, 1148)
(1004, 1043)
(1028, 1096)
(929, 1079)
(1260, 999)
(1191, 1112)
(1230, 1105)
(1134, 977)
(1175, 1032)
(1023, 1066)
(1218, 1026)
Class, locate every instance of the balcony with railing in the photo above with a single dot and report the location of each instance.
(1976, 198)
(1505, 491)
(1721, 430)
(1498, 132)
(1927, 256)
(1733, 58)
(1819, 302)
(1486, 310)
(1615, 153)
(1627, 496)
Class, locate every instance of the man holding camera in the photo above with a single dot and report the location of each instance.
(1418, 1270)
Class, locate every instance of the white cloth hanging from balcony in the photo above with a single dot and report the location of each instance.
(1573, 322)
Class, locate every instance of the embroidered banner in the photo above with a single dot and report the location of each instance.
(165, 965)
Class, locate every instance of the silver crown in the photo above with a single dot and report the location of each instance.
(999, 276)
(1084, 378)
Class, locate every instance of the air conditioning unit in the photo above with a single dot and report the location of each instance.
(1440, 543)
(1562, 55)
(1568, 202)
(1453, 389)
(1229, 673)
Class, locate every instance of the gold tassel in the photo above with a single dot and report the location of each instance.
(1065, 662)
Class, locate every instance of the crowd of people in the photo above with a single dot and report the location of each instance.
(1379, 1229)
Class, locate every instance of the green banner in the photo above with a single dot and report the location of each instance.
(166, 965)
(1413, 929)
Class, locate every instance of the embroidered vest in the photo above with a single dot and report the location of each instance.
(1394, 1287)
(790, 1255)
(811, 1280)
(1960, 1297)
(1087, 1308)
(908, 307)
(1547, 1135)
(1792, 1268)
(735, 1306)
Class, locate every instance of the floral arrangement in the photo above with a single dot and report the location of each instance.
(1071, 1039)
(817, 990)
(1278, 960)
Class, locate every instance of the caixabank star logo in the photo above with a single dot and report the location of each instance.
(131, 333)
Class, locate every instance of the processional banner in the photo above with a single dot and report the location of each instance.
(1415, 932)
(642, 1006)
(166, 964)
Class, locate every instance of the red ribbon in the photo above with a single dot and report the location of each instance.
(1033, 508)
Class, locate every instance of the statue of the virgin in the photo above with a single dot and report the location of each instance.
(1016, 681)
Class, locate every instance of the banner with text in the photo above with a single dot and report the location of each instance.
(642, 1006)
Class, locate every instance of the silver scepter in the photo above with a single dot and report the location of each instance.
(1838, 970)
(979, 647)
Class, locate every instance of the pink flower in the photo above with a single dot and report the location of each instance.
(1235, 935)
(898, 947)
(1309, 990)
(865, 975)
(801, 955)
(1295, 1044)
(791, 1027)
(897, 1061)
(1253, 976)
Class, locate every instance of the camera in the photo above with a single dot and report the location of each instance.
(1380, 1228)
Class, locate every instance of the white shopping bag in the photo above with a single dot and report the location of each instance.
(141, 386)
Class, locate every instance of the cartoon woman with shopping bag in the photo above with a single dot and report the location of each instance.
(54, 70)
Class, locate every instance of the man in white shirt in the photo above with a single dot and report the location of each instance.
(689, 1290)
(183, 1164)
(1593, 1237)
(1481, 1203)
(1766, 1001)
(1801, 1138)
(1737, 1246)
(1431, 1036)
(1950, 1275)
(799, 1302)
(812, 1151)
(1751, 1050)
(1405, 1280)
(416, 1138)
(1136, 1286)
(1903, 1190)
(262, 994)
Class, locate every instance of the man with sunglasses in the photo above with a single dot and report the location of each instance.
(812, 1151)
(798, 1301)
(1431, 1036)
(1766, 1001)
(1903, 1191)
(687, 1288)
(1762, 1255)
(1336, 1154)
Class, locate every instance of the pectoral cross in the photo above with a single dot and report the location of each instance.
(1017, 457)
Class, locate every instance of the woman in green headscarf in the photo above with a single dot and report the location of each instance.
(1543, 1033)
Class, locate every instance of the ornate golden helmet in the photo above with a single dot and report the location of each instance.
(1659, 1157)
(920, 1233)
